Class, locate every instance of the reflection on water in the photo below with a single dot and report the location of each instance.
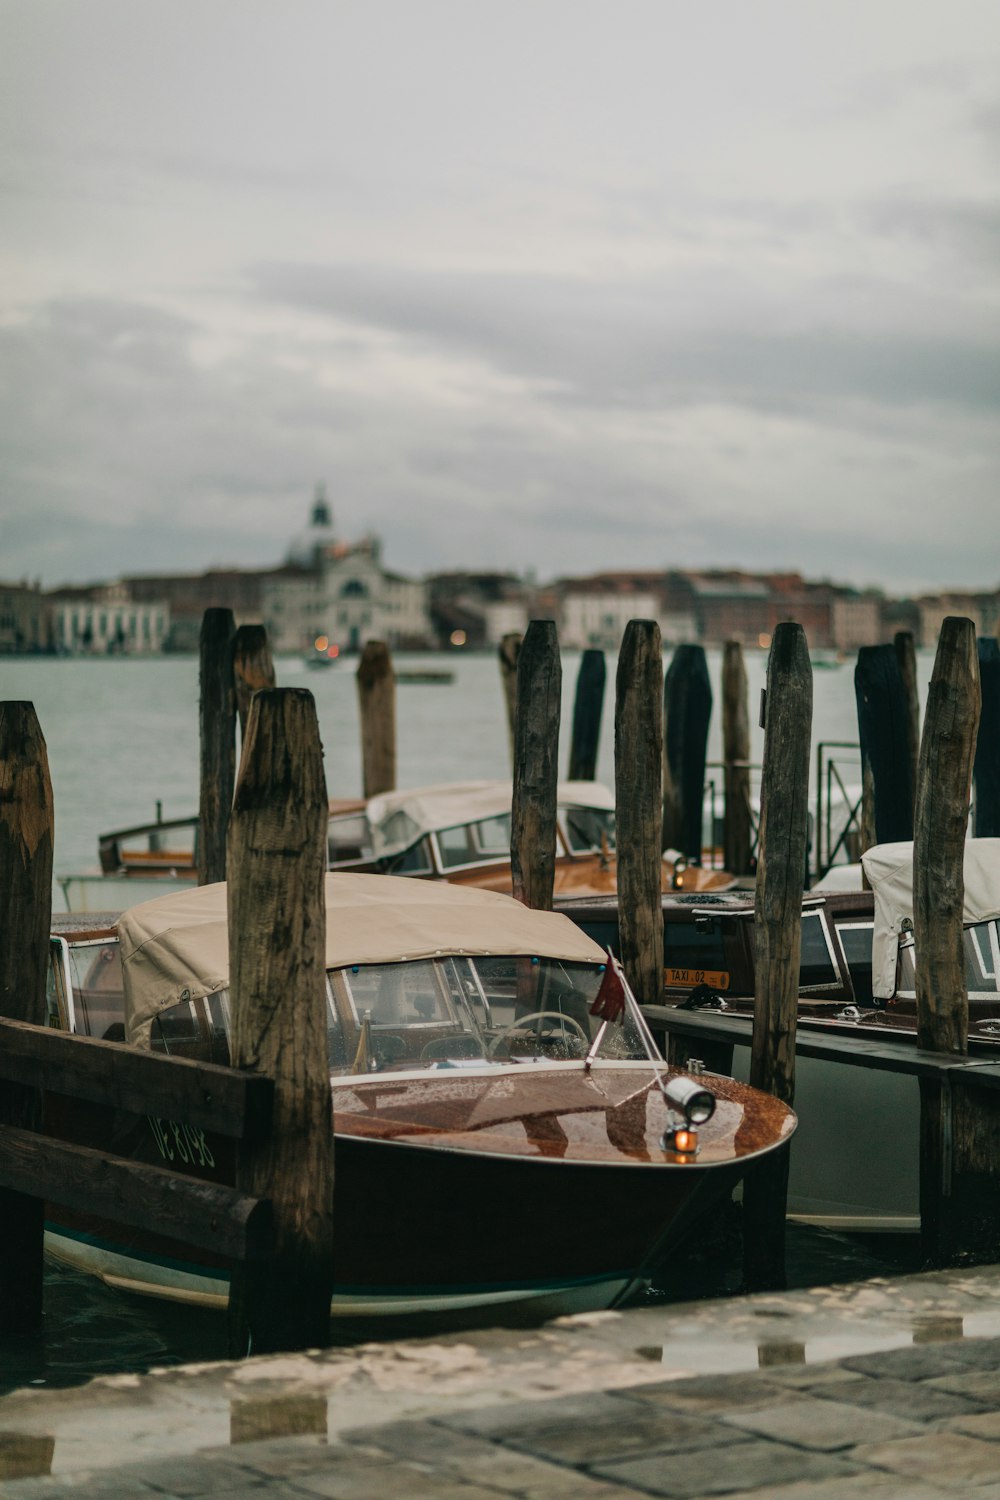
(23, 1455)
(252, 1420)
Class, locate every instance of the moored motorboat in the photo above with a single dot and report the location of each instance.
(503, 1137)
(857, 984)
(455, 831)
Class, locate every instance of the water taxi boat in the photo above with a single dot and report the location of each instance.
(506, 1135)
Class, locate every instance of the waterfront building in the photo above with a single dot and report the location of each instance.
(105, 620)
(25, 619)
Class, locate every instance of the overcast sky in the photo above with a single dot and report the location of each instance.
(552, 284)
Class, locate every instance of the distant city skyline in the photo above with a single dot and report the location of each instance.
(564, 288)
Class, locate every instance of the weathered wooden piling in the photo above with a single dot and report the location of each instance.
(217, 720)
(782, 843)
(638, 803)
(587, 709)
(884, 730)
(277, 946)
(951, 1144)
(687, 710)
(738, 836)
(253, 668)
(986, 770)
(377, 707)
(507, 654)
(536, 766)
(906, 660)
(26, 844)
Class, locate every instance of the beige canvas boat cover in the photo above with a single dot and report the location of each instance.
(889, 868)
(177, 947)
(398, 819)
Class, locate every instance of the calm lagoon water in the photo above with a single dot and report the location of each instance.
(123, 734)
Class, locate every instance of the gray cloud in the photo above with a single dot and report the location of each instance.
(634, 341)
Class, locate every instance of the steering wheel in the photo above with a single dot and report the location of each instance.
(538, 1015)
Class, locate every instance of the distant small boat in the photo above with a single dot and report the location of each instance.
(322, 653)
(426, 674)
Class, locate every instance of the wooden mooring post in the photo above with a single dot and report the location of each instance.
(26, 844)
(906, 659)
(253, 668)
(377, 707)
(587, 708)
(687, 710)
(277, 947)
(507, 654)
(885, 733)
(217, 710)
(986, 771)
(738, 826)
(536, 766)
(959, 1124)
(782, 843)
(638, 807)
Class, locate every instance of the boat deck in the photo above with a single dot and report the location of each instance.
(885, 1388)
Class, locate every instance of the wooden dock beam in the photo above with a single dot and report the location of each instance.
(986, 771)
(587, 709)
(784, 824)
(638, 808)
(687, 710)
(885, 732)
(253, 668)
(738, 835)
(26, 845)
(277, 948)
(217, 710)
(959, 1132)
(536, 766)
(377, 708)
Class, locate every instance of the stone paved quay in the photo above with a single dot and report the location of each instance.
(886, 1388)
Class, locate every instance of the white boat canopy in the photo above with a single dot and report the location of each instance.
(177, 947)
(889, 868)
(398, 819)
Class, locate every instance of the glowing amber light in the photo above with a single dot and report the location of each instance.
(321, 642)
(685, 1140)
(458, 637)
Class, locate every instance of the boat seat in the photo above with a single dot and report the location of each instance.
(387, 1048)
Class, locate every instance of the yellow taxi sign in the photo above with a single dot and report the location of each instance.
(716, 979)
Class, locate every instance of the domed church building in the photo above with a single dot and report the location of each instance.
(340, 590)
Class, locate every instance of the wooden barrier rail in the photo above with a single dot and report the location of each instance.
(205, 1096)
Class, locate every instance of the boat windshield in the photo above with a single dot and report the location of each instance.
(452, 1010)
(449, 1010)
(589, 828)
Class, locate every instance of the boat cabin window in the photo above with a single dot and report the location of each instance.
(198, 1029)
(413, 861)
(980, 948)
(817, 966)
(474, 843)
(94, 971)
(856, 941)
(348, 840)
(589, 828)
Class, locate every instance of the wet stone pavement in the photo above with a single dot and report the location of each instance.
(887, 1388)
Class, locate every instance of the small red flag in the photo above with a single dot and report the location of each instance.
(609, 1004)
